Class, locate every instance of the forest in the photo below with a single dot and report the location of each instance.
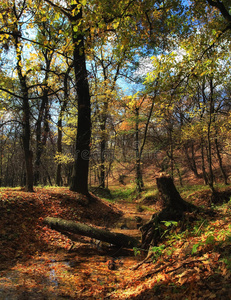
(115, 149)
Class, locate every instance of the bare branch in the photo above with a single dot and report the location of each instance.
(16, 34)
(11, 93)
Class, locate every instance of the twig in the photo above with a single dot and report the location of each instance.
(142, 262)
(200, 227)
(173, 269)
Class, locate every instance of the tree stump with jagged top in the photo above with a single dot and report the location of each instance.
(174, 208)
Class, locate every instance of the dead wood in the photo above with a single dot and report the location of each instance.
(174, 208)
(177, 267)
(117, 239)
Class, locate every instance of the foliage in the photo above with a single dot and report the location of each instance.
(157, 251)
(189, 47)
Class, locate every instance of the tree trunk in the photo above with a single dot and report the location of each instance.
(174, 208)
(117, 239)
(205, 176)
(209, 137)
(43, 115)
(102, 150)
(82, 148)
(26, 135)
(191, 160)
(39, 143)
(59, 180)
(220, 161)
(139, 177)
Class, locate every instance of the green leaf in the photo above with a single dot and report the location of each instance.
(210, 240)
(194, 248)
(170, 223)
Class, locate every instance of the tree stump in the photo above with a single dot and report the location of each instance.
(174, 208)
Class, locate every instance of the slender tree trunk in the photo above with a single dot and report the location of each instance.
(1, 155)
(47, 176)
(220, 161)
(139, 177)
(103, 121)
(179, 174)
(26, 135)
(191, 160)
(42, 134)
(38, 152)
(103, 143)
(102, 163)
(194, 165)
(58, 179)
(26, 142)
(171, 153)
(205, 176)
(209, 132)
(79, 181)
(39, 142)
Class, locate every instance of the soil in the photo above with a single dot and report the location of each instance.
(39, 263)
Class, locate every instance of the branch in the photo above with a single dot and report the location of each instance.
(148, 120)
(202, 55)
(31, 98)
(39, 97)
(182, 264)
(10, 121)
(219, 5)
(62, 9)
(11, 93)
(16, 34)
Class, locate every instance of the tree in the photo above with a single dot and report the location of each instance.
(52, 66)
(82, 149)
(17, 13)
(63, 106)
(109, 18)
(106, 66)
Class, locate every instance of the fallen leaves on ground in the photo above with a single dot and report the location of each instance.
(37, 262)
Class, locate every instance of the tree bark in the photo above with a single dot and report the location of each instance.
(82, 148)
(211, 121)
(205, 175)
(220, 160)
(26, 135)
(139, 177)
(41, 143)
(169, 195)
(191, 160)
(59, 180)
(117, 239)
(174, 208)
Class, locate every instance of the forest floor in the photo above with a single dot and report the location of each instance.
(37, 262)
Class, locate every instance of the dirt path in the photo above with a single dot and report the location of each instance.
(39, 263)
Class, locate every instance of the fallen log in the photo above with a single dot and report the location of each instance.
(117, 239)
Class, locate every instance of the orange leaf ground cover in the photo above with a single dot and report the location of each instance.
(39, 263)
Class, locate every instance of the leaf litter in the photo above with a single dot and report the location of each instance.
(37, 262)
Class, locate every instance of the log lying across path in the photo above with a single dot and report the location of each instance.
(117, 239)
(174, 209)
